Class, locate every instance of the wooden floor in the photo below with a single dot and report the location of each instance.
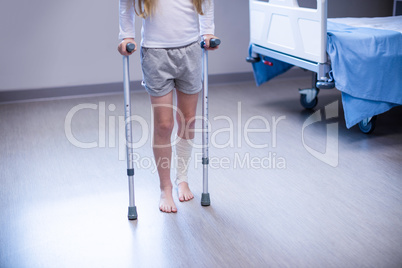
(281, 196)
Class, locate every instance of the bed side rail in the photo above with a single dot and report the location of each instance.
(283, 26)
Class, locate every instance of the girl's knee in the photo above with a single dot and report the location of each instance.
(164, 128)
(186, 122)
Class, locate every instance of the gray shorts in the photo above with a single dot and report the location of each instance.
(164, 69)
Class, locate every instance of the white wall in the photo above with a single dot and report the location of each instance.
(55, 43)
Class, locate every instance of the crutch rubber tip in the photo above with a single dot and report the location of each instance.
(132, 213)
(205, 200)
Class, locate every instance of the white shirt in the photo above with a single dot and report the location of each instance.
(175, 23)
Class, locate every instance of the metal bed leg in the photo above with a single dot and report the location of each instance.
(132, 209)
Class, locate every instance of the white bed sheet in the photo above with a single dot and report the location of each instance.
(393, 23)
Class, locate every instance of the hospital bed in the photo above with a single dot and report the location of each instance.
(360, 57)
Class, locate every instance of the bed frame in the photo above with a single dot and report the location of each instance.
(283, 30)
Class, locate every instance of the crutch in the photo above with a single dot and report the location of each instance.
(205, 199)
(132, 209)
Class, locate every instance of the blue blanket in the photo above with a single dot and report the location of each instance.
(263, 73)
(367, 68)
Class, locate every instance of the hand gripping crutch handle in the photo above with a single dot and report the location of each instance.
(130, 47)
(214, 42)
(132, 209)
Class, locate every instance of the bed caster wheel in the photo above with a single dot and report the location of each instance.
(308, 97)
(367, 125)
(308, 104)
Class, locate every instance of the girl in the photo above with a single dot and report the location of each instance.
(170, 59)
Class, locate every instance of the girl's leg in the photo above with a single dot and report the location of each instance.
(163, 126)
(185, 116)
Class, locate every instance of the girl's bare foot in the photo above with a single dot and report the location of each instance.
(166, 203)
(185, 193)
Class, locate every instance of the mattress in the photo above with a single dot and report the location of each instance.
(383, 23)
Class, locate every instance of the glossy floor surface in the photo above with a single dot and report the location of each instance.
(287, 189)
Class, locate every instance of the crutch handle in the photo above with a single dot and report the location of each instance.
(130, 47)
(214, 42)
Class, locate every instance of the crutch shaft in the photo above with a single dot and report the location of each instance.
(205, 199)
(205, 133)
(132, 210)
